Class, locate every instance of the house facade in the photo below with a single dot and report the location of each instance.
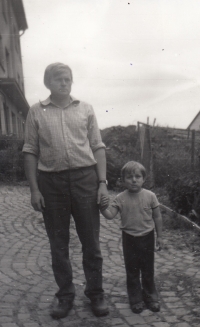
(13, 104)
(195, 124)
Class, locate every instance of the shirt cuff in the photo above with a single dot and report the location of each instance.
(98, 146)
(30, 149)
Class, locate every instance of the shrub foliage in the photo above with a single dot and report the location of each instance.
(11, 159)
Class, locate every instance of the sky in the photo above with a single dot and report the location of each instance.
(132, 60)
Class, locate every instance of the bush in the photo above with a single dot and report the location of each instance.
(11, 160)
(184, 194)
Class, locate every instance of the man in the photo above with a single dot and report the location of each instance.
(65, 165)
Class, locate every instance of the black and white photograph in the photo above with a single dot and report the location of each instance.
(99, 163)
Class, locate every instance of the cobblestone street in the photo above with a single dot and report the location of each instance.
(28, 287)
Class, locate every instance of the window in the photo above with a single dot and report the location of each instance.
(4, 9)
(8, 63)
(7, 120)
(1, 54)
(14, 124)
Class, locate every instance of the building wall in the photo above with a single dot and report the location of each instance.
(196, 124)
(11, 63)
(11, 122)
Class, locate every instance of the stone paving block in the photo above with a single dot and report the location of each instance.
(182, 324)
(135, 319)
(4, 319)
(172, 299)
(171, 319)
(161, 324)
(84, 315)
(23, 316)
(180, 311)
(31, 324)
(9, 324)
(174, 305)
(152, 319)
(122, 305)
(11, 298)
(116, 321)
(126, 312)
(164, 293)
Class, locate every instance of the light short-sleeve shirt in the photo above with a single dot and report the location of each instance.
(135, 210)
(62, 138)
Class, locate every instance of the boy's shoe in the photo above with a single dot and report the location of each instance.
(62, 309)
(99, 307)
(137, 307)
(153, 306)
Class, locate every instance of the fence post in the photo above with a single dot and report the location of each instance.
(193, 149)
(146, 153)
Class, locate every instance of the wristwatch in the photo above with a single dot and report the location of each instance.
(104, 181)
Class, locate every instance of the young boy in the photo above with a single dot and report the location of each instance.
(140, 214)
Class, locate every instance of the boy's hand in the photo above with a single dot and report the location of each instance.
(159, 243)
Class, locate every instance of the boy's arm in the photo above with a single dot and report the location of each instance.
(109, 213)
(158, 225)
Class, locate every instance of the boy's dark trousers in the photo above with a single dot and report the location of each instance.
(139, 258)
(65, 193)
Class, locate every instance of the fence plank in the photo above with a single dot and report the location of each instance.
(177, 215)
(193, 149)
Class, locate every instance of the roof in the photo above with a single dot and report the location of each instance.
(20, 14)
(12, 90)
(193, 120)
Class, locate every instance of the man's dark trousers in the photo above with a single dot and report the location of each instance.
(66, 193)
(139, 259)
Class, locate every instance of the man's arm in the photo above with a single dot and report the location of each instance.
(100, 158)
(30, 165)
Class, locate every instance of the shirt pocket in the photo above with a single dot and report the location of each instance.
(147, 212)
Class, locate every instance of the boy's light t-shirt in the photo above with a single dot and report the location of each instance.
(135, 210)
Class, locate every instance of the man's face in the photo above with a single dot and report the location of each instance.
(60, 83)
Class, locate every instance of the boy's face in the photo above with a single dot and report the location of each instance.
(133, 181)
(60, 84)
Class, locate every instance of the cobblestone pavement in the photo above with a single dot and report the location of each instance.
(27, 285)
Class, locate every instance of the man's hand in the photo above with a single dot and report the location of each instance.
(37, 201)
(102, 196)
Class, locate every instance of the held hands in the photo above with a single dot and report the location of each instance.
(37, 201)
(104, 203)
(103, 198)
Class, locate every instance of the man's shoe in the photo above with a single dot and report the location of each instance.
(62, 309)
(99, 307)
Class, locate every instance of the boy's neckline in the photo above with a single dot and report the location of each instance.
(135, 192)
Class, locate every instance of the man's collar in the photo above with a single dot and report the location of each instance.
(48, 101)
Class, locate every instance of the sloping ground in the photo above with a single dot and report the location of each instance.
(28, 286)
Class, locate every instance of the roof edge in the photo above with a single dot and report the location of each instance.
(193, 120)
